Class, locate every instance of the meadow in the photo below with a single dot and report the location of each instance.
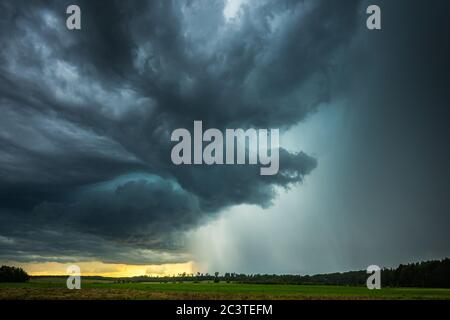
(55, 288)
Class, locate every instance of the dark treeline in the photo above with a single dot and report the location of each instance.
(13, 274)
(430, 274)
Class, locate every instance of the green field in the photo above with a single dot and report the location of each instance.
(97, 289)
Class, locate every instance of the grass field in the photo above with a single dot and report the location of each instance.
(44, 288)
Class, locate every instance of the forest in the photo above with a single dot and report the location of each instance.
(427, 274)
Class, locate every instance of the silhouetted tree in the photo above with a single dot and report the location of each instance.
(13, 274)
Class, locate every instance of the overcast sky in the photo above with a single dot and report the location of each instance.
(86, 118)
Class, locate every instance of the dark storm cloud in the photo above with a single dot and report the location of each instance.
(381, 192)
(96, 105)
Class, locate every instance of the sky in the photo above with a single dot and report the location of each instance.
(86, 116)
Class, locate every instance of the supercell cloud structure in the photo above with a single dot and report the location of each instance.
(86, 117)
(85, 165)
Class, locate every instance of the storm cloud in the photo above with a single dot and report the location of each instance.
(86, 118)
(380, 192)
(85, 165)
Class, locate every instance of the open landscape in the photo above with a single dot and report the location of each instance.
(211, 158)
(421, 280)
(55, 288)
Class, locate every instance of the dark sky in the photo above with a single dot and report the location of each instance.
(86, 117)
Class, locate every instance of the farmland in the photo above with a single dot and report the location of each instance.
(55, 288)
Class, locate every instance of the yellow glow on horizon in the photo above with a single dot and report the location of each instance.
(97, 268)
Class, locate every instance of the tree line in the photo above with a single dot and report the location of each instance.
(429, 274)
(13, 274)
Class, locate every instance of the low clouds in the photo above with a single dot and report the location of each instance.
(85, 165)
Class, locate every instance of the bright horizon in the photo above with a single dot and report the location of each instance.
(98, 268)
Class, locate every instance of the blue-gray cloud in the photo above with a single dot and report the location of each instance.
(93, 106)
